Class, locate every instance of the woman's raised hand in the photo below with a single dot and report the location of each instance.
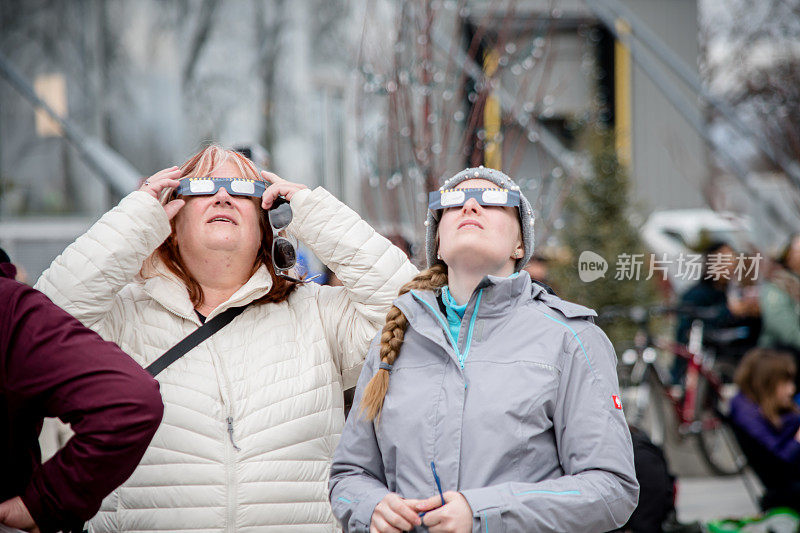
(393, 514)
(161, 180)
(279, 187)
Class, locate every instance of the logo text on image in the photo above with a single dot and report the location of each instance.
(591, 266)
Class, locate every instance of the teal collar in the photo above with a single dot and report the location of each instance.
(452, 334)
(451, 305)
(453, 312)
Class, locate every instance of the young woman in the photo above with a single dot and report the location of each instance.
(487, 403)
(765, 413)
(252, 414)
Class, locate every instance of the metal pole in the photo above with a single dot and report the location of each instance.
(107, 164)
(692, 115)
(642, 31)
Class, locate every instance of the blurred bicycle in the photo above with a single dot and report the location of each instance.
(699, 402)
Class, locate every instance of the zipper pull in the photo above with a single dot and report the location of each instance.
(230, 434)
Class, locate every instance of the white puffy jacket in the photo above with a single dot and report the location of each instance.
(253, 414)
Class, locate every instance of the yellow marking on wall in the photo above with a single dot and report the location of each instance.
(622, 97)
(52, 88)
(492, 117)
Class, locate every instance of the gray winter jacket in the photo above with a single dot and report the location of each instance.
(520, 414)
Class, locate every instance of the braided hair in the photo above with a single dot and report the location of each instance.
(392, 340)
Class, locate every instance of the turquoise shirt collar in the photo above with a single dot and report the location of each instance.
(450, 303)
(454, 313)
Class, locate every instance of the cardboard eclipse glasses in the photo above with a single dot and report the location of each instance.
(210, 186)
(486, 197)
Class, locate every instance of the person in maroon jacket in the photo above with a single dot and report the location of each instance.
(52, 366)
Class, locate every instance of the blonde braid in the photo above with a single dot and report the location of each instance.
(392, 340)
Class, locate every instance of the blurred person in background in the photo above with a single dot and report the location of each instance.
(252, 414)
(767, 422)
(539, 268)
(780, 302)
(487, 403)
(52, 366)
(402, 243)
(733, 311)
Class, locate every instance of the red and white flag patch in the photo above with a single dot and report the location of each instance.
(617, 401)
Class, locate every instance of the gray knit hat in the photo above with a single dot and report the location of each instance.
(495, 176)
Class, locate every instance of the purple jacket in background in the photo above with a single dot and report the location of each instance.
(781, 442)
(52, 366)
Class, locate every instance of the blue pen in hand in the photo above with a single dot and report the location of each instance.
(438, 485)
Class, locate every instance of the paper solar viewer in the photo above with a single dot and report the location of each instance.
(443, 199)
(210, 186)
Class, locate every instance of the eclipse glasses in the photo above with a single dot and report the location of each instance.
(443, 199)
(284, 246)
(209, 186)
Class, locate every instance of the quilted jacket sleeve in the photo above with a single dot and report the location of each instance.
(370, 267)
(86, 277)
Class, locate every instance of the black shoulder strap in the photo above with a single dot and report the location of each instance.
(193, 339)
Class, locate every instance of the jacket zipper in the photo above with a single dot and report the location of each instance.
(230, 478)
(230, 434)
(230, 458)
(462, 358)
(470, 329)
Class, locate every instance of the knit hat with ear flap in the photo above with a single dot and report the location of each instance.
(525, 212)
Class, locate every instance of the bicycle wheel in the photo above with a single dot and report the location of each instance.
(716, 441)
(643, 406)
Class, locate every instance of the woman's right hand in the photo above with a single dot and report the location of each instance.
(161, 180)
(13, 513)
(393, 514)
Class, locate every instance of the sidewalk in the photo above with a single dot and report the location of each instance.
(712, 498)
(702, 495)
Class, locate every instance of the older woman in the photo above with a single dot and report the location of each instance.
(252, 414)
(488, 404)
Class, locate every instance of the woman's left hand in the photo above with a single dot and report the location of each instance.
(455, 516)
(279, 187)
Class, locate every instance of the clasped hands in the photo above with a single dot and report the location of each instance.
(394, 514)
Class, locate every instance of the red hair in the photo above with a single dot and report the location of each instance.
(205, 163)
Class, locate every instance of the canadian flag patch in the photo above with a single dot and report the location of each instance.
(617, 401)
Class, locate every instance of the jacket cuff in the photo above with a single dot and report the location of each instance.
(301, 197)
(41, 514)
(34, 504)
(362, 514)
(484, 498)
(304, 203)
